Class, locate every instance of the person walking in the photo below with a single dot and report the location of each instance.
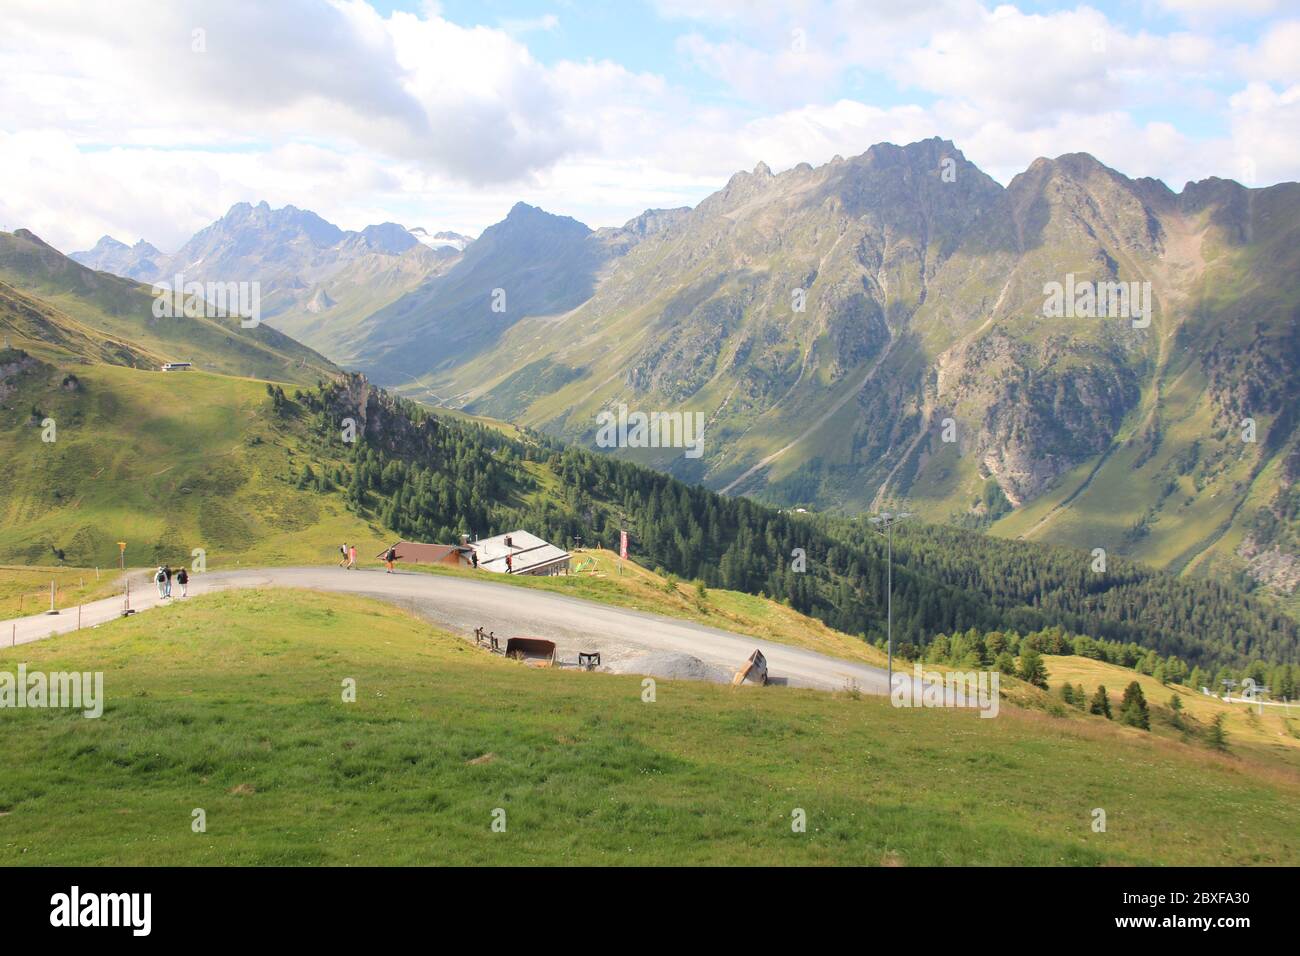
(343, 555)
(389, 557)
(473, 556)
(352, 556)
(160, 579)
(183, 579)
(510, 565)
(167, 580)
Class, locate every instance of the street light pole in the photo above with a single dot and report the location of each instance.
(887, 521)
(889, 597)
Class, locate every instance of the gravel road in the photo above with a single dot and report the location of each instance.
(629, 641)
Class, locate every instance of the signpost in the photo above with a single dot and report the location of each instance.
(622, 550)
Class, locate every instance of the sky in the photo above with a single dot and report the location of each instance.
(148, 120)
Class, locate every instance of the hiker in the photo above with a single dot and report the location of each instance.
(510, 565)
(389, 557)
(167, 580)
(183, 579)
(473, 556)
(160, 579)
(343, 555)
(352, 556)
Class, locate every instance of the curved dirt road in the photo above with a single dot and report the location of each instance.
(460, 605)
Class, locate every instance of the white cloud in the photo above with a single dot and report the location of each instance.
(1264, 122)
(1276, 56)
(469, 102)
(1216, 8)
(787, 75)
(110, 122)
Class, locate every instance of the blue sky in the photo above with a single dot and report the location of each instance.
(148, 120)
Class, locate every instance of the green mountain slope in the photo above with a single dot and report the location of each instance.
(33, 325)
(167, 463)
(122, 309)
(530, 264)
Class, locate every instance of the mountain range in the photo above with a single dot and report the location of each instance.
(306, 266)
(878, 331)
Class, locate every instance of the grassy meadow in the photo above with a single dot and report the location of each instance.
(1269, 733)
(232, 704)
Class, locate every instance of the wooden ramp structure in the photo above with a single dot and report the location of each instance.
(753, 670)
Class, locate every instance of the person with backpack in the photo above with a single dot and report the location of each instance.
(389, 557)
(352, 556)
(343, 555)
(167, 580)
(183, 579)
(160, 579)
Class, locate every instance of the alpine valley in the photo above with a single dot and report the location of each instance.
(864, 334)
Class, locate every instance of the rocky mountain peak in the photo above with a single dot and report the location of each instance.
(109, 244)
(389, 237)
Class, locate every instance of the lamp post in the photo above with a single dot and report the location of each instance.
(887, 521)
(126, 579)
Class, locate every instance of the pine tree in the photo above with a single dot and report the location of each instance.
(1032, 669)
(1133, 709)
(1100, 703)
(356, 493)
(1080, 697)
(1067, 693)
(1217, 736)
